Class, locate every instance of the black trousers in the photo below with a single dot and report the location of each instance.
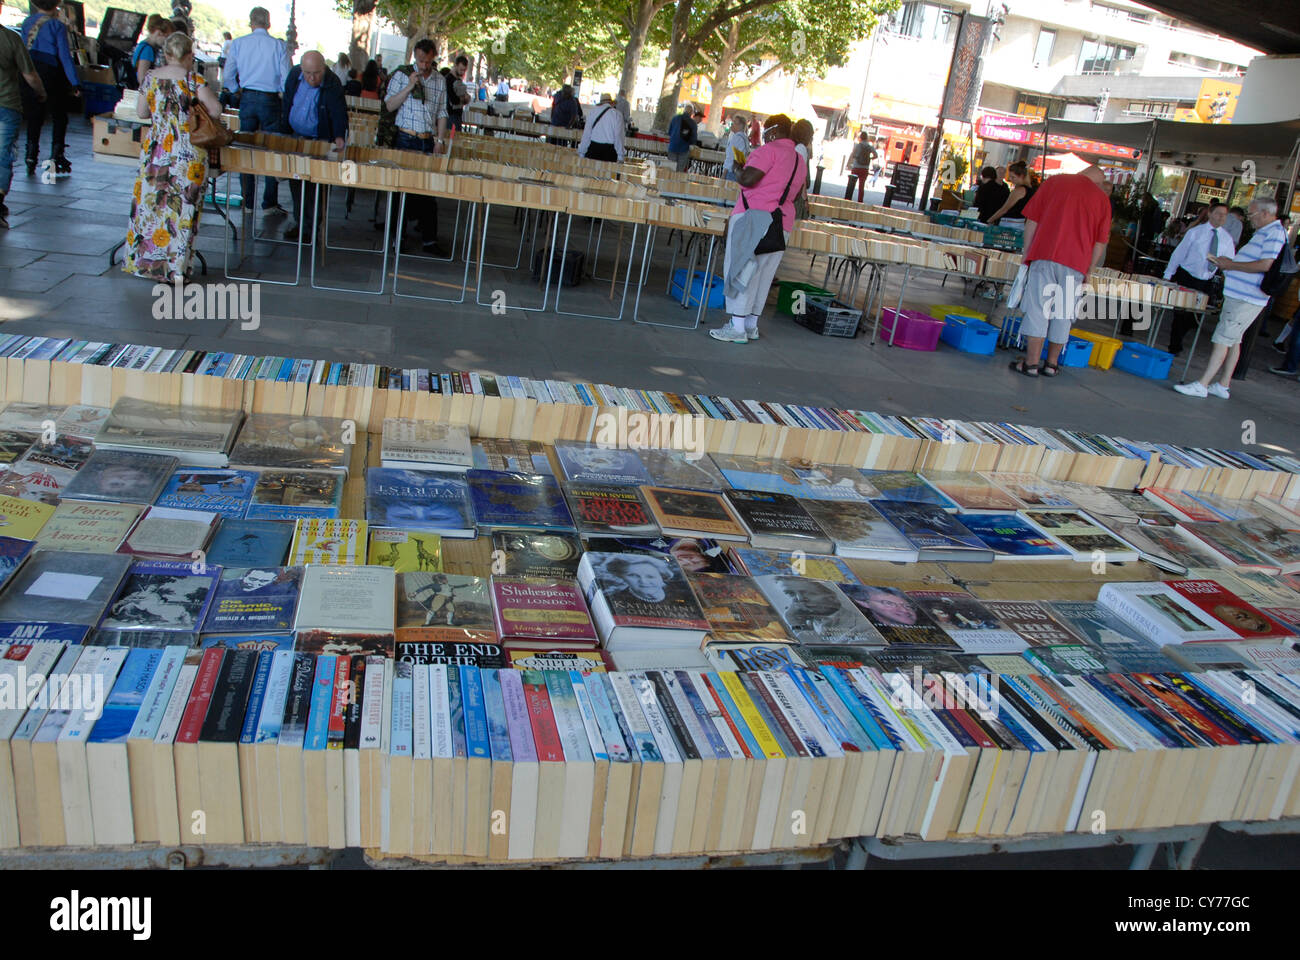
(1182, 321)
(418, 206)
(55, 107)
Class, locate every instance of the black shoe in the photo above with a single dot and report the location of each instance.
(1282, 371)
(292, 234)
(62, 167)
(1279, 347)
(31, 165)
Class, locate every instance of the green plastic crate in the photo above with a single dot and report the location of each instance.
(786, 291)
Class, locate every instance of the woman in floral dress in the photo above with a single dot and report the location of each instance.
(169, 191)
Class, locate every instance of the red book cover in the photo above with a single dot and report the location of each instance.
(1182, 504)
(200, 696)
(545, 734)
(1156, 690)
(547, 610)
(1227, 608)
(975, 731)
(735, 731)
(343, 695)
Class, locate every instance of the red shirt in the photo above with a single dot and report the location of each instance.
(1072, 214)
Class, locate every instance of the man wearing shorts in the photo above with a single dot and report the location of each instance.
(1243, 300)
(1067, 227)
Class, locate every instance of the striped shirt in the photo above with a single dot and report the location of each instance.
(1266, 244)
(420, 115)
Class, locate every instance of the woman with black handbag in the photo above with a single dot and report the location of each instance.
(772, 177)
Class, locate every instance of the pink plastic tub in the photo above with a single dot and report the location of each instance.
(916, 330)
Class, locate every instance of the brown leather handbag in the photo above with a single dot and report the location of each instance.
(206, 133)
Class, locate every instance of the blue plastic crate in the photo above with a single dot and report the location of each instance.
(969, 335)
(1077, 353)
(97, 98)
(1009, 336)
(1144, 361)
(716, 297)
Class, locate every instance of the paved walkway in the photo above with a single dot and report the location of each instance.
(55, 280)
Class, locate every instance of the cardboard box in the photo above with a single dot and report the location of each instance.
(96, 75)
(117, 138)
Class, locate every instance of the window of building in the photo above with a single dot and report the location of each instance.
(1101, 56)
(922, 21)
(1043, 49)
(1033, 105)
(1153, 108)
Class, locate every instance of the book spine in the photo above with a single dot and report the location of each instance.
(204, 683)
(261, 679)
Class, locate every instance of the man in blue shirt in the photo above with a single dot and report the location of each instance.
(682, 134)
(46, 39)
(257, 65)
(313, 107)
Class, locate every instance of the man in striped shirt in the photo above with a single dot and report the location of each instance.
(418, 96)
(1243, 301)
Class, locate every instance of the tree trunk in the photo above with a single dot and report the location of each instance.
(721, 83)
(645, 14)
(359, 48)
(678, 57)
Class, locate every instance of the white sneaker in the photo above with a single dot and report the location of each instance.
(727, 333)
(752, 334)
(1193, 389)
(1218, 390)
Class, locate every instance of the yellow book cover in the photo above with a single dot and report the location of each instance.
(406, 551)
(328, 541)
(23, 519)
(588, 661)
(764, 737)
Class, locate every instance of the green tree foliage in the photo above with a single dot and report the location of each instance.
(209, 22)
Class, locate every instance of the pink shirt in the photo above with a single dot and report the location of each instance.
(777, 160)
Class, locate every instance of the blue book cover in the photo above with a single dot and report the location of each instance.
(322, 697)
(1007, 534)
(225, 492)
(127, 696)
(760, 563)
(494, 704)
(456, 702)
(598, 695)
(591, 726)
(906, 487)
(503, 499)
(12, 554)
(590, 463)
(828, 717)
(702, 713)
(30, 631)
(419, 500)
(928, 527)
(296, 495)
(729, 706)
(163, 595)
(255, 699)
(250, 543)
(249, 641)
(277, 692)
(478, 743)
(254, 600)
(853, 703)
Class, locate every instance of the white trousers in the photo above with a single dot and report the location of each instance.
(754, 297)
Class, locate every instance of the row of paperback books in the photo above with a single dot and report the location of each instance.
(232, 746)
(70, 372)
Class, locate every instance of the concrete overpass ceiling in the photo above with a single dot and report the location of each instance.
(1269, 25)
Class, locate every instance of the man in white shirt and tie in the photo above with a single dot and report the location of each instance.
(1190, 265)
(257, 65)
(602, 137)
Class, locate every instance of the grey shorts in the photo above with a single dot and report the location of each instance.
(1050, 300)
(1234, 320)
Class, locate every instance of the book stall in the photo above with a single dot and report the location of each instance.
(263, 610)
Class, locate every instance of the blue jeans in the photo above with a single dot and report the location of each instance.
(730, 175)
(259, 111)
(10, 121)
(1292, 363)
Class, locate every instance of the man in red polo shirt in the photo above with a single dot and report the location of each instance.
(1067, 227)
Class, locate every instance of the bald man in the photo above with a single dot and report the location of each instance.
(314, 108)
(1067, 227)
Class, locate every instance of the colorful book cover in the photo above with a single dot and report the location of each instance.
(817, 612)
(498, 723)
(443, 600)
(224, 492)
(1035, 622)
(23, 519)
(127, 697)
(12, 554)
(478, 743)
(296, 495)
(931, 528)
(249, 641)
(406, 551)
(1118, 643)
(693, 554)
(162, 595)
(1247, 622)
(518, 500)
(761, 563)
(1080, 535)
(748, 657)
(453, 646)
(552, 611)
(859, 530)
(971, 492)
(419, 500)
(693, 513)
(641, 590)
(777, 520)
(254, 600)
(608, 510)
(1029, 490)
(906, 487)
(735, 608)
(328, 541)
(1011, 536)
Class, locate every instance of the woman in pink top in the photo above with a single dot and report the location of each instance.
(772, 177)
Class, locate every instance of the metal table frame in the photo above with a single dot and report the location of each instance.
(397, 255)
(550, 261)
(692, 245)
(627, 278)
(297, 275)
(324, 242)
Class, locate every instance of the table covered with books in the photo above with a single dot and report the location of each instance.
(475, 618)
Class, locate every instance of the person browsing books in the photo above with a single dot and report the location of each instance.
(737, 150)
(417, 94)
(313, 107)
(774, 175)
(1190, 266)
(256, 66)
(46, 37)
(602, 137)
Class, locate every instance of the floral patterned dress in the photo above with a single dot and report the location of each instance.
(168, 193)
